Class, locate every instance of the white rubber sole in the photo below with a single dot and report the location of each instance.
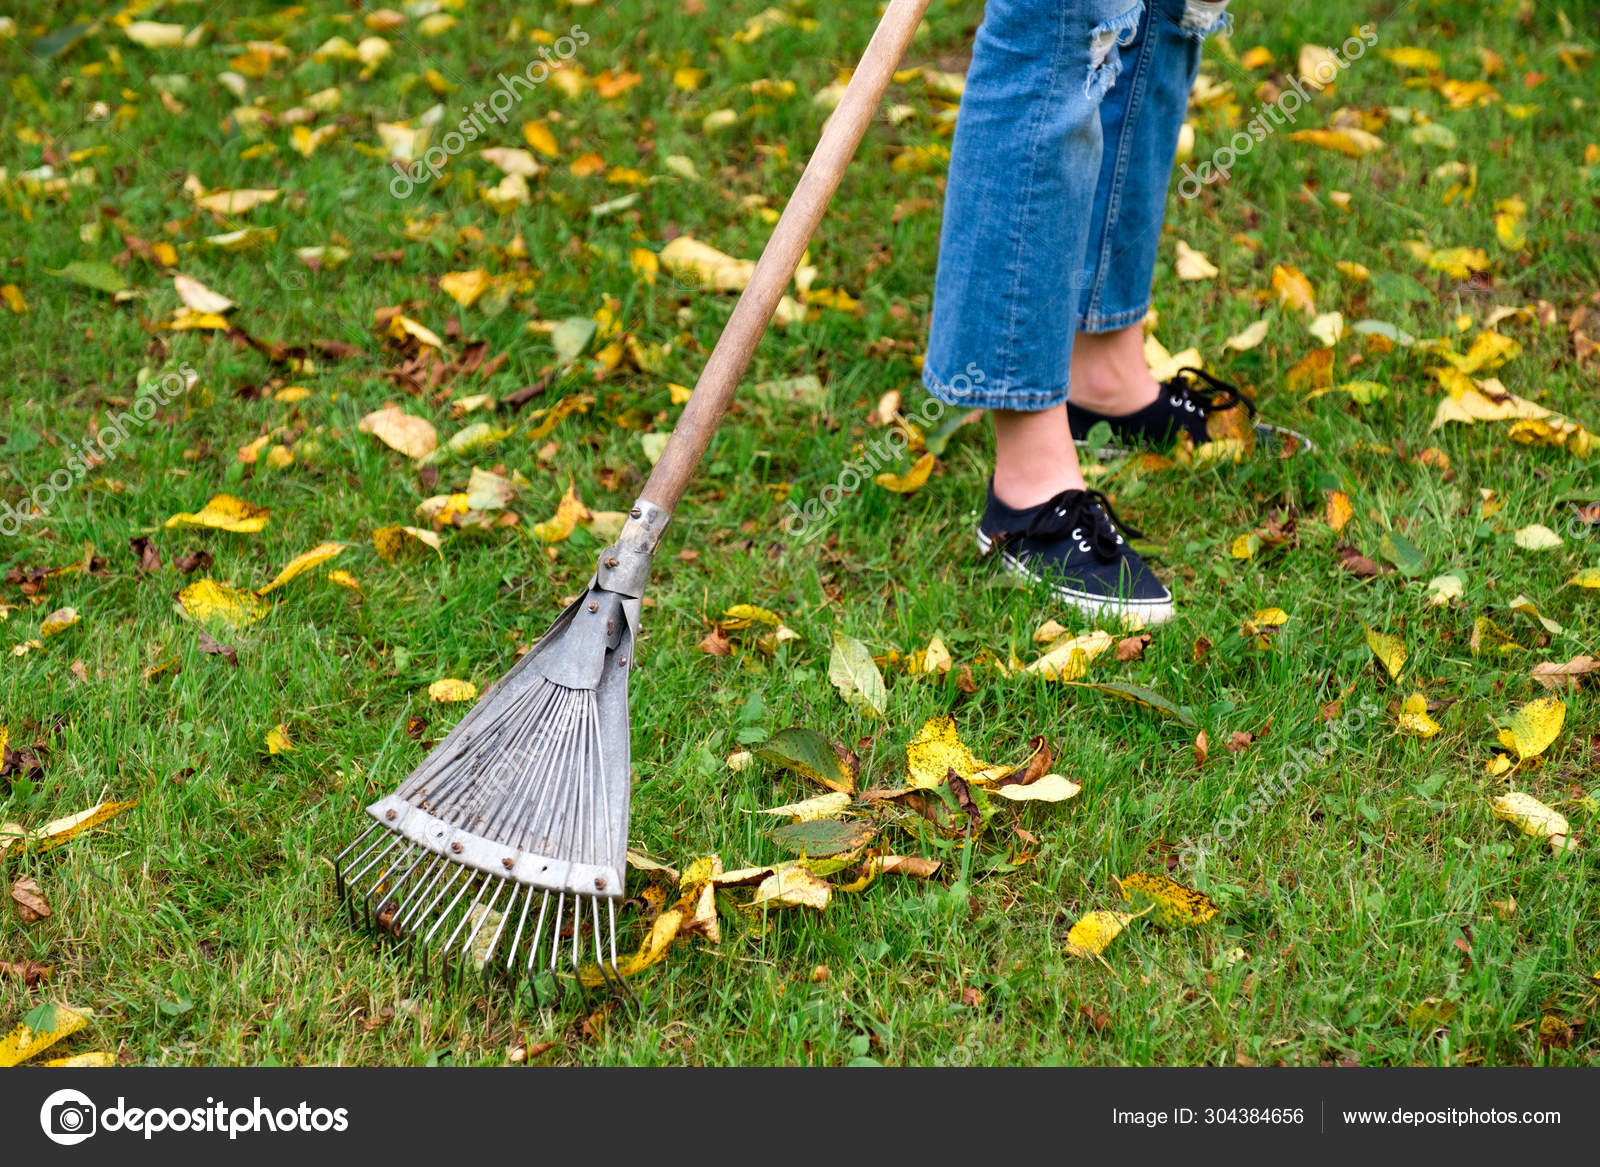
(1139, 613)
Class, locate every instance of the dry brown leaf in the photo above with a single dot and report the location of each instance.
(29, 900)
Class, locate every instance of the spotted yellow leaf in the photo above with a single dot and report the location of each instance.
(1391, 650)
(57, 832)
(25, 1042)
(1091, 935)
(210, 602)
(1339, 510)
(344, 579)
(1532, 817)
(225, 513)
(1414, 716)
(1174, 904)
(1589, 577)
(393, 542)
(936, 749)
(823, 806)
(742, 616)
(1534, 727)
(58, 622)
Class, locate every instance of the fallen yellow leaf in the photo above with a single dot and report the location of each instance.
(569, 513)
(225, 513)
(23, 1043)
(1532, 817)
(1391, 650)
(58, 831)
(412, 436)
(1174, 904)
(449, 691)
(392, 542)
(1096, 930)
(208, 602)
(319, 554)
(936, 749)
(1414, 716)
(1533, 728)
(912, 480)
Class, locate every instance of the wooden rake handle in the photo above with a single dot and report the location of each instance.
(720, 378)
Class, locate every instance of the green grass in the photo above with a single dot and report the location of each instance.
(200, 927)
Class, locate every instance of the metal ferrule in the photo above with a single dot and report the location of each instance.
(625, 565)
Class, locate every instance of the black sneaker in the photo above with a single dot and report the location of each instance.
(1185, 400)
(1073, 544)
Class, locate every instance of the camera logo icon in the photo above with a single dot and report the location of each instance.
(68, 1117)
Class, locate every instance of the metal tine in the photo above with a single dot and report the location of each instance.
(397, 888)
(522, 922)
(407, 913)
(494, 941)
(538, 931)
(616, 973)
(339, 861)
(472, 937)
(356, 875)
(555, 941)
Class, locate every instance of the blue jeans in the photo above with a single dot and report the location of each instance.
(1063, 149)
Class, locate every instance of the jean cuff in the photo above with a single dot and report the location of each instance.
(1103, 322)
(991, 397)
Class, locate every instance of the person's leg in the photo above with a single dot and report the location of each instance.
(1140, 121)
(1024, 163)
(1023, 167)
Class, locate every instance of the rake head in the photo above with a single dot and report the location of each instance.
(507, 847)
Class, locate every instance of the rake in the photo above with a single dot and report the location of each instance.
(507, 846)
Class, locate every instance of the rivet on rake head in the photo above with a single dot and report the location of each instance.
(612, 561)
(456, 846)
(600, 883)
(623, 661)
(391, 815)
(594, 606)
(508, 862)
(636, 513)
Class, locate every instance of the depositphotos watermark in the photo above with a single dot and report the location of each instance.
(500, 102)
(1273, 788)
(97, 450)
(805, 521)
(1269, 117)
(69, 1117)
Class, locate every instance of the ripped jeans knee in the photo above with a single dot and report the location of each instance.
(1201, 18)
(1105, 43)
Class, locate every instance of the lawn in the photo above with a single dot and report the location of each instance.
(1376, 911)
